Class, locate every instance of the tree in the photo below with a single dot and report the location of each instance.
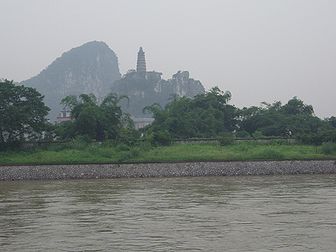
(22, 113)
(205, 115)
(97, 121)
(296, 106)
(292, 119)
(331, 121)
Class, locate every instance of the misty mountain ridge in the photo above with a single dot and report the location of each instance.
(146, 90)
(93, 68)
(90, 68)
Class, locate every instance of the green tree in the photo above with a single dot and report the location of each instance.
(331, 121)
(22, 114)
(205, 115)
(296, 106)
(97, 121)
(292, 119)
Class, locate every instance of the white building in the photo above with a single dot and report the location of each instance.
(140, 123)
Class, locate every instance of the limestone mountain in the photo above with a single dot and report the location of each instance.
(93, 68)
(90, 68)
(144, 89)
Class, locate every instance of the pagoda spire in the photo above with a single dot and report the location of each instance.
(141, 61)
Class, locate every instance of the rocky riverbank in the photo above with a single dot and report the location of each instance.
(178, 169)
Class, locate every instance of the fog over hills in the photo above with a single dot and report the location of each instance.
(90, 68)
(146, 90)
(259, 50)
(93, 68)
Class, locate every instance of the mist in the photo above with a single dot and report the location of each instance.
(260, 50)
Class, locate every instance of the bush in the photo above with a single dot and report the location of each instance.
(57, 146)
(328, 148)
(161, 138)
(123, 147)
(313, 139)
(80, 142)
(128, 155)
(10, 146)
(242, 147)
(271, 154)
(258, 134)
(243, 134)
(145, 145)
(65, 130)
(128, 136)
(226, 139)
(318, 138)
(329, 136)
(103, 152)
(280, 142)
(109, 143)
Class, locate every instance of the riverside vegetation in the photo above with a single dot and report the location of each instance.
(79, 152)
(100, 132)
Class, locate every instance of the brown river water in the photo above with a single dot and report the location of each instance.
(266, 213)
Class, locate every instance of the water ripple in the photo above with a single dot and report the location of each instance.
(270, 213)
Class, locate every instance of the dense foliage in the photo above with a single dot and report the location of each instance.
(93, 120)
(22, 114)
(294, 119)
(205, 115)
(276, 120)
(80, 152)
(210, 115)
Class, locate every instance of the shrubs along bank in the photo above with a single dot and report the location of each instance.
(79, 152)
(211, 115)
(208, 115)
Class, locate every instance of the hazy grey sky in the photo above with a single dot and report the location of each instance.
(260, 50)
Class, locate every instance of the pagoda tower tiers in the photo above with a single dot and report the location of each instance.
(141, 62)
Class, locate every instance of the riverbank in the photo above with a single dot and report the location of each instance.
(80, 153)
(178, 169)
(107, 161)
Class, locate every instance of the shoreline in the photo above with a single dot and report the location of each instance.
(165, 169)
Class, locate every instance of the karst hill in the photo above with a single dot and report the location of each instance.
(93, 68)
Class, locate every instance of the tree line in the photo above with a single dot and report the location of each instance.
(23, 117)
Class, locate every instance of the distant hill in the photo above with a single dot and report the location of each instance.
(93, 68)
(145, 89)
(90, 68)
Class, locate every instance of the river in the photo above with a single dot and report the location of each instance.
(266, 213)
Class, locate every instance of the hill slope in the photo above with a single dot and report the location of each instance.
(146, 90)
(90, 68)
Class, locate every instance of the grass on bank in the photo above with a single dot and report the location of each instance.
(76, 153)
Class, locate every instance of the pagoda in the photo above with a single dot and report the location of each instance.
(141, 62)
